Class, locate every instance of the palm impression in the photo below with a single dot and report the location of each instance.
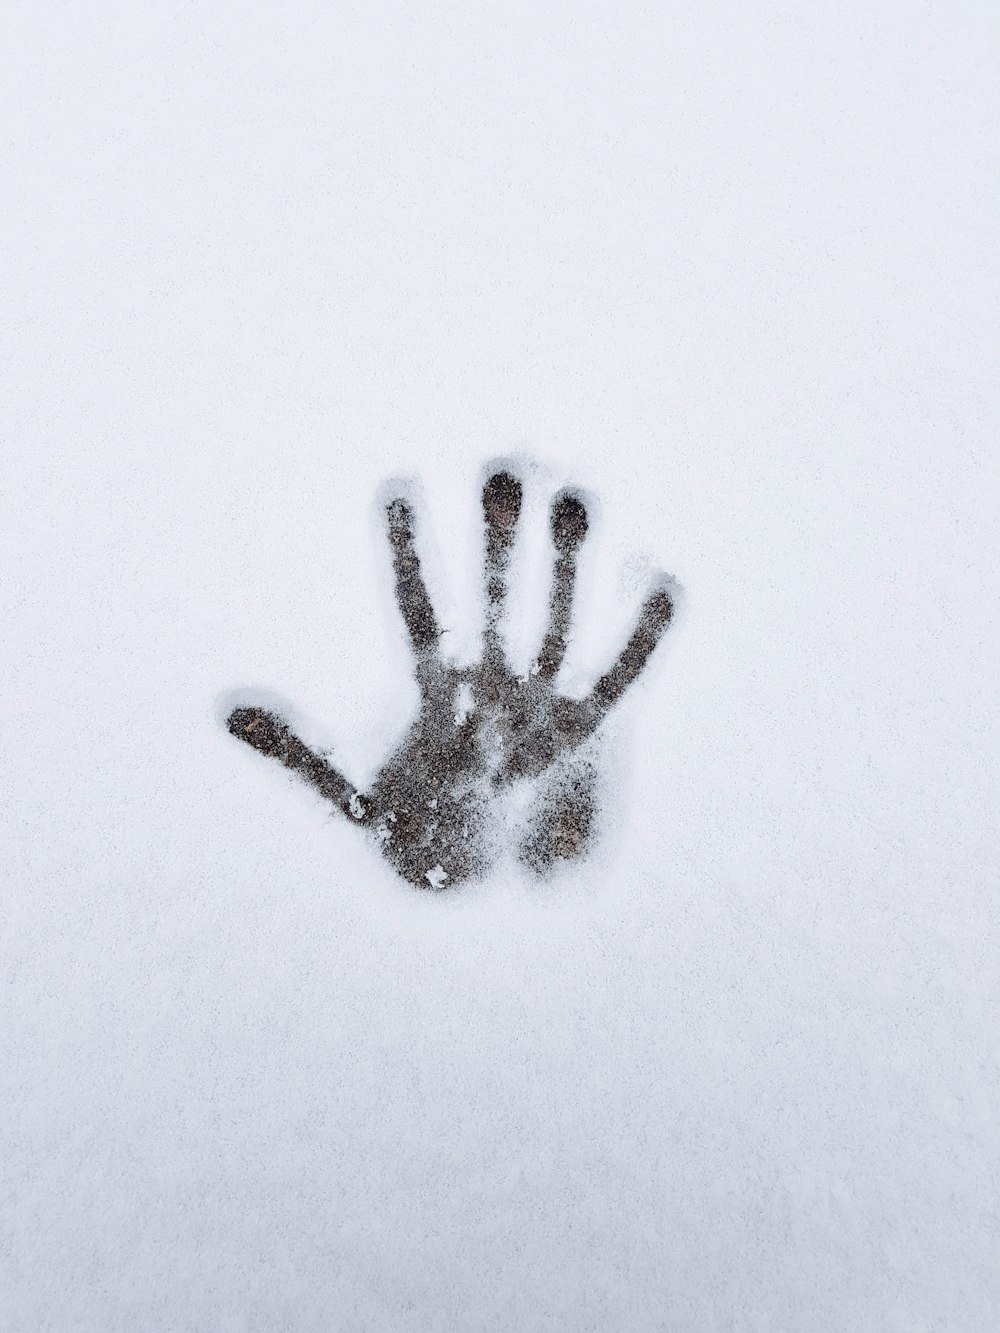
(436, 809)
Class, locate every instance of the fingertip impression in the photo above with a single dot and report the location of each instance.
(502, 497)
(569, 521)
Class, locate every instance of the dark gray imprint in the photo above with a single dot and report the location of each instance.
(480, 729)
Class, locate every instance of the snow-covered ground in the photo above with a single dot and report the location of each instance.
(731, 268)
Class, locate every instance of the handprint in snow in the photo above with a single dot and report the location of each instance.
(480, 729)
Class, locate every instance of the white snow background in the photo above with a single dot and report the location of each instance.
(734, 269)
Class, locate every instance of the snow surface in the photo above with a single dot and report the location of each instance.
(731, 268)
